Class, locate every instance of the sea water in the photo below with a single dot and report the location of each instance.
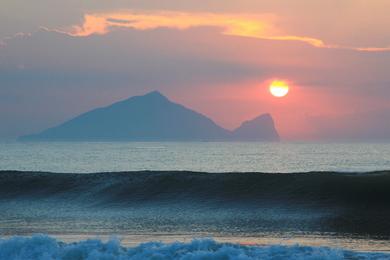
(283, 157)
(244, 209)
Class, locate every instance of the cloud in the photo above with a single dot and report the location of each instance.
(242, 25)
(65, 74)
(4, 40)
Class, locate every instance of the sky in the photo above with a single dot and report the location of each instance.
(59, 59)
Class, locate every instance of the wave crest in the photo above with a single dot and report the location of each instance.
(45, 247)
(353, 203)
(325, 187)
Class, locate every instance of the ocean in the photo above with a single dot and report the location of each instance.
(85, 157)
(237, 200)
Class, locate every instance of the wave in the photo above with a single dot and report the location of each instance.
(357, 203)
(370, 189)
(45, 247)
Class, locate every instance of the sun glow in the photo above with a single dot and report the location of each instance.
(279, 88)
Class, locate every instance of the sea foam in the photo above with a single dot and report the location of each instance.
(46, 247)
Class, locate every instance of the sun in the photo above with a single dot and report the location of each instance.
(279, 88)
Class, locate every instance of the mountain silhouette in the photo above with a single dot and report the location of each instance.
(261, 128)
(152, 117)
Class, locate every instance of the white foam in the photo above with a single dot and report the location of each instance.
(45, 247)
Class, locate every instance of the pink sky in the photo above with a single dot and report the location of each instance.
(217, 58)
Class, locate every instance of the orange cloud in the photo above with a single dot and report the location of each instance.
(240, 25)
(243, 25)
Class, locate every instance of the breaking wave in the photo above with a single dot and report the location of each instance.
(45, 247)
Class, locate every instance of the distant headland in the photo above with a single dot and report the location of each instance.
(153, 117)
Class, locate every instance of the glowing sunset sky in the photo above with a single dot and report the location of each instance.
(61, 58)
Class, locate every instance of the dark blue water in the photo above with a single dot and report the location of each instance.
(302, 207)
(346, 207)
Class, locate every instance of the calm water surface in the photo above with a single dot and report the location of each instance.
(86, 157)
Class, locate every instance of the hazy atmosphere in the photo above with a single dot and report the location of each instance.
(171, 129)
(59, 59)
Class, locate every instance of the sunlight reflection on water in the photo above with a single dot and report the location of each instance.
(200, 156)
